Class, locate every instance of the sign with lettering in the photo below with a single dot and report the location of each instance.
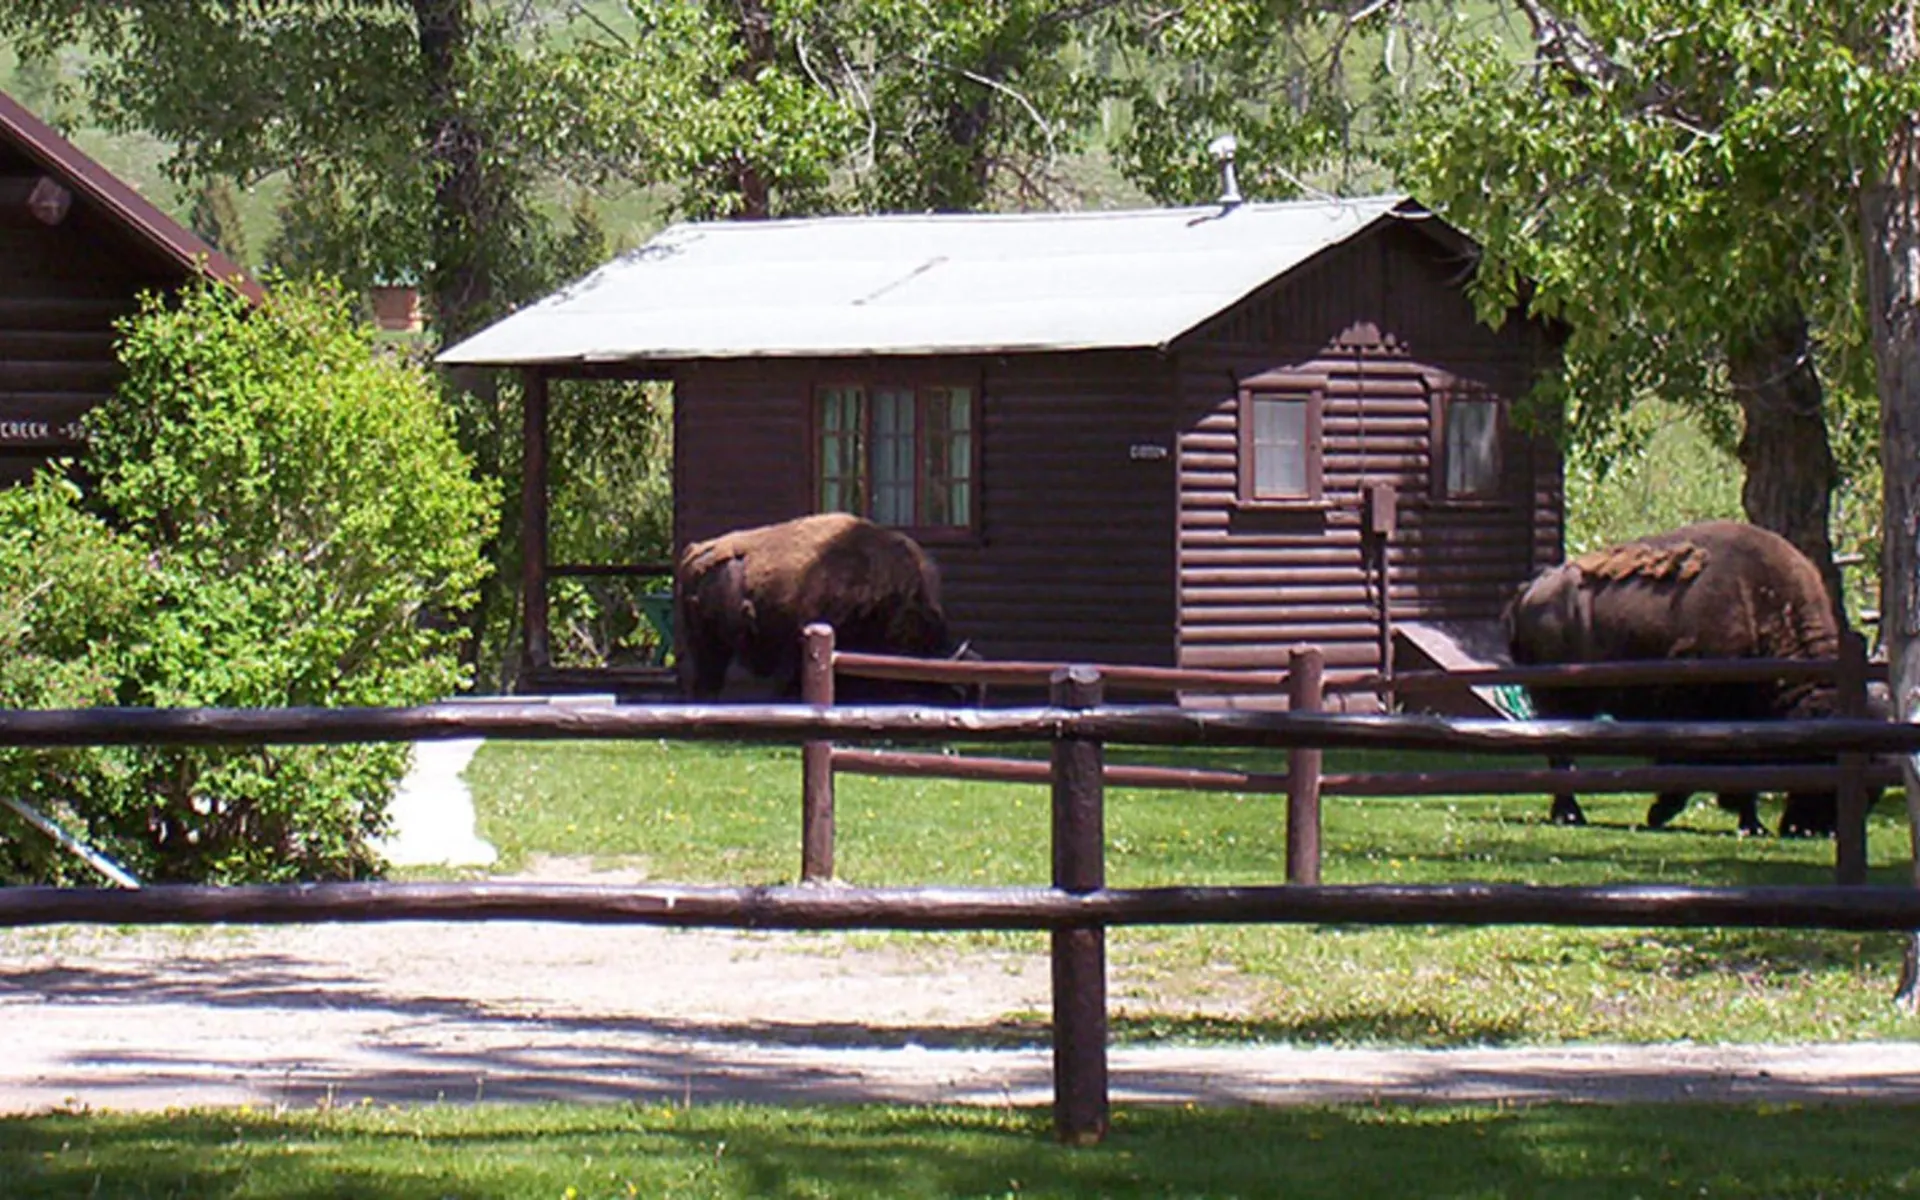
(16, 432)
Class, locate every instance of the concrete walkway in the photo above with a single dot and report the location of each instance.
(433, 819)
(434, 823)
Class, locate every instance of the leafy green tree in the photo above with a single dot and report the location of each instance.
(216, 218)
(287, 521)
(756, 108)
(404, 126)
(1876, 67)
(1279, 76)
(1629, 162)
(386, 97)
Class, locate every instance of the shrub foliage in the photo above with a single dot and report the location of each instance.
(283, 518)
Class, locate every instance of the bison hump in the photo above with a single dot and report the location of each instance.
(1674, 562)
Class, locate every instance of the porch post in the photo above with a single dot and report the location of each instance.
(536, 650)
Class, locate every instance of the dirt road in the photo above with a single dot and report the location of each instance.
(420, 1012)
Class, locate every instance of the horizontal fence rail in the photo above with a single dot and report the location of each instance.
(1016, 673)
(1147, 725)
(1648, 672)
(810, 907)
(1665, 672)
(895, 763)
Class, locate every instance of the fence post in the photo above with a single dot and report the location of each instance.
(1850, 803)
(1306, 671)
(816, 759)
(1079, 952)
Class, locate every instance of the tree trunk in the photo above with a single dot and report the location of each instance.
(1890, 235)
(967, 123)
(465, 198)
(1784, 447)
(472, 224)
(755, 27)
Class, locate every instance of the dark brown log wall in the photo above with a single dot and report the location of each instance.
(1073, 554)
(1384, 321)
(62, 286)
(1075, 558)
(740, 452)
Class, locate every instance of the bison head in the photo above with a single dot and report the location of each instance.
(1550, 620)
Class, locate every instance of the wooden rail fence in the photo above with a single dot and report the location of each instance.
(1852, 777)
(1076, 908)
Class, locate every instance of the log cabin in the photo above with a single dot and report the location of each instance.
(78, 246)
(1189, 437)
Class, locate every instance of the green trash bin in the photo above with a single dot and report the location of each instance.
(657, 608)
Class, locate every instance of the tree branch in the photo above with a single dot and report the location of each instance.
(1564, 45)
(1568, 47)
(594, 18)
(997, 86)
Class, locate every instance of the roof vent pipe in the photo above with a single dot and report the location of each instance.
(1222, 149)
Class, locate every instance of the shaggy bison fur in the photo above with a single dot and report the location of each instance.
(745, 596)
(1720, 589)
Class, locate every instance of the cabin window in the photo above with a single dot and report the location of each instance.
(901, 455)
(1280, 444)
(1470, 429)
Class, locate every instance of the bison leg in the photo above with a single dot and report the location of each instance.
(708, 665)
(1567, 811)
(1665, 807)
(1809, 814)
(1745, 806)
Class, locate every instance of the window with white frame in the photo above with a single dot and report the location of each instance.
(1280, 452)
(1470, 424)
(902, 455)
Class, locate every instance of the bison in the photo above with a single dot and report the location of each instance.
(745, 596)
(1719, 589)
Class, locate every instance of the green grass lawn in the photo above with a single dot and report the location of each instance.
(730, 814)
(1355, 1153)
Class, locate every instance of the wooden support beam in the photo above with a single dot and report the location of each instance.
(536, 650)
(1304, 696)
(1513, 781)
(816, 758)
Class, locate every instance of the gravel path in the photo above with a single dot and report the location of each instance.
(419, 1012)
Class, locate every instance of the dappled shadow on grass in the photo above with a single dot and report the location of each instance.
(1774, 957)
(1357, 1152)
(1487, 848)
(1356, 1026)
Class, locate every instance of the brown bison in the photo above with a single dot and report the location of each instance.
(745, 596)
(1719, 589)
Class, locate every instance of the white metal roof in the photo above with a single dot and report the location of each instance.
(937, 284)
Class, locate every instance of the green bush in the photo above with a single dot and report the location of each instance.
(69, 587)
(303, 521)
